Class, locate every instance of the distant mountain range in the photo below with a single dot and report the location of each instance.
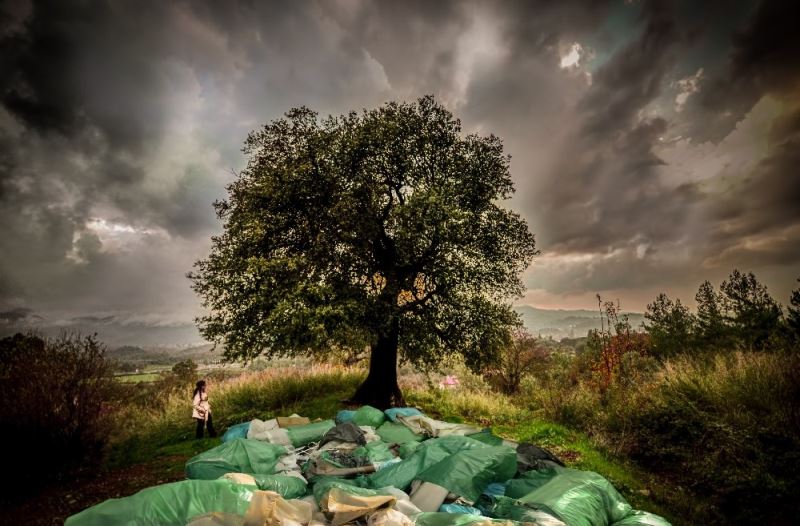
(111, 330)
(115, 333)
(558, 323)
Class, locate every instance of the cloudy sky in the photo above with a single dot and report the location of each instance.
(654, 144)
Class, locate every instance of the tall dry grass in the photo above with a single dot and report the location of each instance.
(725, 426)
(251, 395)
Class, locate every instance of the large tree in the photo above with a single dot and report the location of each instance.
(383, 229)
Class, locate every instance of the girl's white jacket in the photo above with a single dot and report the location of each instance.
(201, 408)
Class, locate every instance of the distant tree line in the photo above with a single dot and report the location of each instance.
(741, 315)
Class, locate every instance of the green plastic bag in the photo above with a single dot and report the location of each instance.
(306, 434)
(642, 518)
(393, 433)
(288, 487)
(374, 452)
(487, 437)
(237, 456)
(580, 498)
(511, 509)
(534, 479)
(168, 504)
(467, 473)
(366, 415)
(236, 431)
(427, 454)
(345, 415)
(407, 449)
(437, 518)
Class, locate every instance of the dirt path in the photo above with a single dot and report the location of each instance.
(55, 504)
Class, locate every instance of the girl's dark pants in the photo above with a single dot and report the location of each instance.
(209, 424)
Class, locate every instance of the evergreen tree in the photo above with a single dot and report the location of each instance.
(751, 312)
(712, 331)
(671, 326)
(793, 316)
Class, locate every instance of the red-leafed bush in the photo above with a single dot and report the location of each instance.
(612, 342)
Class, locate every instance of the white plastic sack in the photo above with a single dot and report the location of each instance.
(389, 517)
(268, 432)
(423, 425)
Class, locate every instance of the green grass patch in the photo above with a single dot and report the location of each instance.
(138, 377)
(169, 432)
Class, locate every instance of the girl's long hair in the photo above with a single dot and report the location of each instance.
(198, 387)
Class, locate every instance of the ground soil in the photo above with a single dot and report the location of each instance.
(54, 504)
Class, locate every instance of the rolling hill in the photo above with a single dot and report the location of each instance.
(559, 323)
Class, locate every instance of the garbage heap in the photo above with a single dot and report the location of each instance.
(372, 468)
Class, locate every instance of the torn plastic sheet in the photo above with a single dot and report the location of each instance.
(237, 456)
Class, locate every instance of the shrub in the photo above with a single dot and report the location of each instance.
(725, 426)
(609, 346)
(62, 391)
(182, 375)
(520, 357)
(728, 427)
(551, 391)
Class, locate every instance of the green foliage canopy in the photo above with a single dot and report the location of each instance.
(753, 314)
(671, 326)
(793, 315)
(712, 330)
(344, 231)
(741, 315)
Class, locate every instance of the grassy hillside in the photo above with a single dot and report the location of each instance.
(699, 440)
(165, 438)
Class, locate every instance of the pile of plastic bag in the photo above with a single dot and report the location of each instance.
(374, 468)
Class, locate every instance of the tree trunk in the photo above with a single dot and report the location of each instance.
(380, 388)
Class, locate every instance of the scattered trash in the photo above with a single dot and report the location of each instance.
(398, 468)
(449, 382)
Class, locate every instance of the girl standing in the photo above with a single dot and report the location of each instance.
(201, 411)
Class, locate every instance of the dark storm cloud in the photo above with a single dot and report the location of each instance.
(604, 192)
(521, 93)
(758, 219)
(85, 65)
(413, 41)
(632, 78)
(762, 60)
(610, 193)
(89, 97)
(20, 314)
(86, 98)
(120, 123)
